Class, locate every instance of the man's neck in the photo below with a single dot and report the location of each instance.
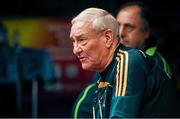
(111, 54)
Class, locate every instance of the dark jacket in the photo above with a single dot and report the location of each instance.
(133, 85)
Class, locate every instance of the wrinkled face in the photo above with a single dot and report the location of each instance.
(131, 23)
(87, 46)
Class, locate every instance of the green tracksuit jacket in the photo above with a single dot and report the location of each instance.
(133, 85)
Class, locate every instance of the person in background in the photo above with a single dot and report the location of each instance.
(129, 85)
(138, 30)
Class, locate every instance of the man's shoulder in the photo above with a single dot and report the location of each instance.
(131, 52)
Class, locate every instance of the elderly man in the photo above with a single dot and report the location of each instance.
(129, 85)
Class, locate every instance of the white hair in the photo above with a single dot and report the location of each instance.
(100, 20)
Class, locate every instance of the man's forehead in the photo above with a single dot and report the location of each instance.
(79, 28)
(131, 11)
(129, 15)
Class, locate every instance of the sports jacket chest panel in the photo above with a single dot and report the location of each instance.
(125, 76)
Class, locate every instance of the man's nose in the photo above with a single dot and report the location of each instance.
(122, 32)
(77, 49)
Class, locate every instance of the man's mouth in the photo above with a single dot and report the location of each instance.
(82, 59)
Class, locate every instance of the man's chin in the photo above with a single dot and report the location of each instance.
(85, 67)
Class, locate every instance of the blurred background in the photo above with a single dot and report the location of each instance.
(39, 75)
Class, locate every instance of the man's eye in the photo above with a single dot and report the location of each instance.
(129, 28)
(83, 41)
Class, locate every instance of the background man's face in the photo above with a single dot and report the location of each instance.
(131, 32)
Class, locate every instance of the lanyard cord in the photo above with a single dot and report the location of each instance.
(98, 98)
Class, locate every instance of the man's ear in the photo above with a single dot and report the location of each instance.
(109, 37)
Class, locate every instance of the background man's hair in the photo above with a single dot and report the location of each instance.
(146, 12)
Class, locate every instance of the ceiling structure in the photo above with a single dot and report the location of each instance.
(67, 8)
